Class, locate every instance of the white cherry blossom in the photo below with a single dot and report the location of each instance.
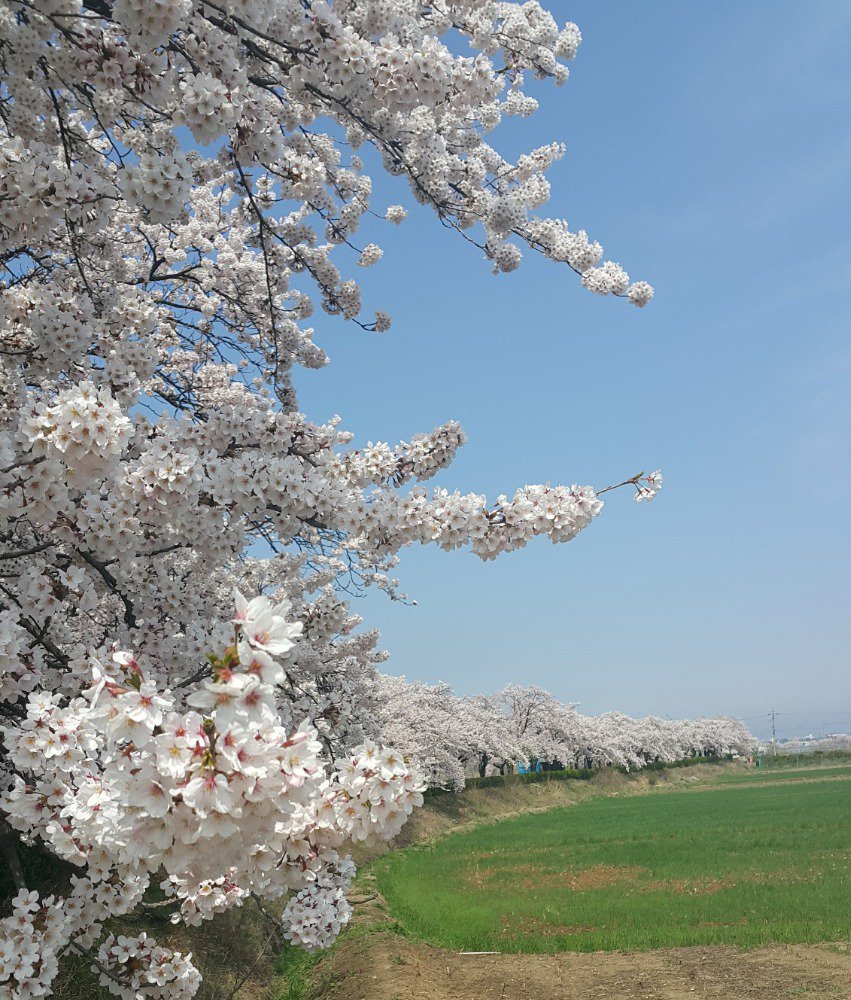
(182, 209)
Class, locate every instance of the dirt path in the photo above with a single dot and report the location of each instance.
(385, 966)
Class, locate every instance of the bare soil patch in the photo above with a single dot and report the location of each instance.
(709, 886)
(594, 878)
(540, 928)
(530, 877)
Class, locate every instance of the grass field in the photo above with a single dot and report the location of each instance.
(745, 866)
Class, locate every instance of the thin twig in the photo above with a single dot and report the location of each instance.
(632, 481)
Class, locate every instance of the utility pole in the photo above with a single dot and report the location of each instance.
(773, 734)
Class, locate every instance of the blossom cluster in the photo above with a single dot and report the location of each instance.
(209, 897)
(82, 425)
(315, 916)
(132, 967)
(379, 791)
(40, 929)
(648, 486)
(224, 799)
(28, 945)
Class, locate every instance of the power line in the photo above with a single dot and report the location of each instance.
(827, 711)
(794, 715)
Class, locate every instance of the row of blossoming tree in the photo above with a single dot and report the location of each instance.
(180, 189)
(452, 737)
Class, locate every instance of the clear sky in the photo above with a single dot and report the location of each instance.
(709, 151)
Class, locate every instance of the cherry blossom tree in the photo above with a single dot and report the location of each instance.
(180, 189)
(452, 736)
(445, 734)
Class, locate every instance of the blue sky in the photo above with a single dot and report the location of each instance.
(709, 152)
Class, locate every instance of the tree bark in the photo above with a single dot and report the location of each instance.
(9, 850)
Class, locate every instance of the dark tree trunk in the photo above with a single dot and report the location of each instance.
(9, 850)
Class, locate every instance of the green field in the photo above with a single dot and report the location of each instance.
(746, 866)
